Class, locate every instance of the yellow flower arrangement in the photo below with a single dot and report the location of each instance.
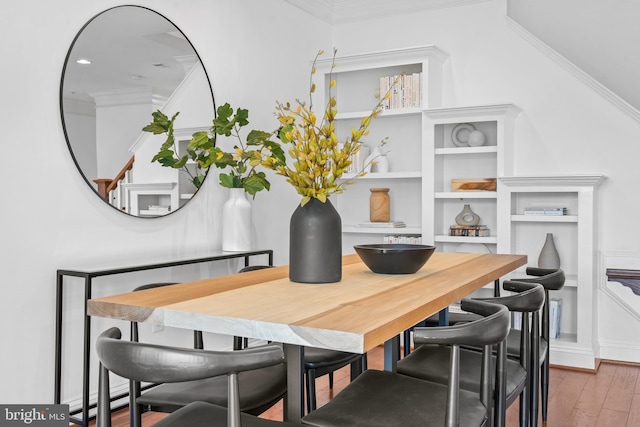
(319, 158)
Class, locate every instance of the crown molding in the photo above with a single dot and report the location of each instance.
(576, 71)
(342, 11)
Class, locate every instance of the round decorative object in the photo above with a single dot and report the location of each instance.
(460, 134)
(467, 217)
(379, 205)
(476, 139)
(315, 243)
(236, 222)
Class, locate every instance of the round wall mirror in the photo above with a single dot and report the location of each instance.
(126, 63)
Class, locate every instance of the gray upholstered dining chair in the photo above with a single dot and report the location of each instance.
(320, 361)
(260, 389)
(164, 364)
(429, 362)
(381, 398)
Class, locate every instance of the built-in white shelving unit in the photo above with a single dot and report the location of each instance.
(357, 91)
(575, 236)
(447, 157)
(426, 154)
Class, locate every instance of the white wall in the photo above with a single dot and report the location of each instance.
(254, 51)
(565, 127)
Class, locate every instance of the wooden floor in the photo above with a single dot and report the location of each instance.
(581, 399)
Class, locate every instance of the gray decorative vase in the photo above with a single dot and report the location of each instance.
(467, 217)
(549, 257)
(315, 243)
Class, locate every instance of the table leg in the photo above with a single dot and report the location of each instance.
(443, 317)
(58, 368)
(87, 351)
(391, 353)
(294, 401)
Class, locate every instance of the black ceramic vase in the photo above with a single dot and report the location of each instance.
(315, 243)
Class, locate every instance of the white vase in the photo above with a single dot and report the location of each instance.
(236, 222)
(376, 161)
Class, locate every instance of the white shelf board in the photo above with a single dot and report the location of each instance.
(380, 230)
(383, 175)
(465, 239)
(383, 113)
(544, 218)
(466, 195)
(466, 150)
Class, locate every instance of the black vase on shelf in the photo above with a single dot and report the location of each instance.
(315, 243)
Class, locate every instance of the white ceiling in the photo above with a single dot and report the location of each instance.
(130, 48)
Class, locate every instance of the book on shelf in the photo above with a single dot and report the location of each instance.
(555, 317)
(516, 320)
(399, 238)
(545, 211)
(469, 230)
(406, 93)
(391, 224)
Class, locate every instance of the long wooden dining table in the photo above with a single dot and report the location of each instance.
(362, 311)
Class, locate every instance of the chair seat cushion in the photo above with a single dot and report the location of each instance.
(318, 358)
(431, 363)
(201, 414)
(259, 390)
(384, 399)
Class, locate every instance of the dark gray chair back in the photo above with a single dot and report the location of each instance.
(163, 364)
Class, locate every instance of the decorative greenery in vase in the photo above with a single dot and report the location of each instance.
(202, 150)
(319, 158)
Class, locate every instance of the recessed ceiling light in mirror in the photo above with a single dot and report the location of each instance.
(83, 61)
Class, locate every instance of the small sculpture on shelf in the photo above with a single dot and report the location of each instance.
(377, 160)
(467, 217)
(468, 225)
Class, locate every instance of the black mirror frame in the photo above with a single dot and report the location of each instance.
(61, 99)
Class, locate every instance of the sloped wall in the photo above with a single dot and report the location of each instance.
(565, 126)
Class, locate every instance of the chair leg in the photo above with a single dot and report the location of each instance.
(311, 390)
(545, 387)
(407, 342)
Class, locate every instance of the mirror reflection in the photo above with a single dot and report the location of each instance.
(123, 65)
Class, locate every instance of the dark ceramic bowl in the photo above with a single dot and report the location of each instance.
(394, 258)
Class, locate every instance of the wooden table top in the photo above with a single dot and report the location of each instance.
(356, 314)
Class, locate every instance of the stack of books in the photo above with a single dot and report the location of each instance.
(555, 317)
(413, 240)
(545, 211)
(469, 230)
(405, 94)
